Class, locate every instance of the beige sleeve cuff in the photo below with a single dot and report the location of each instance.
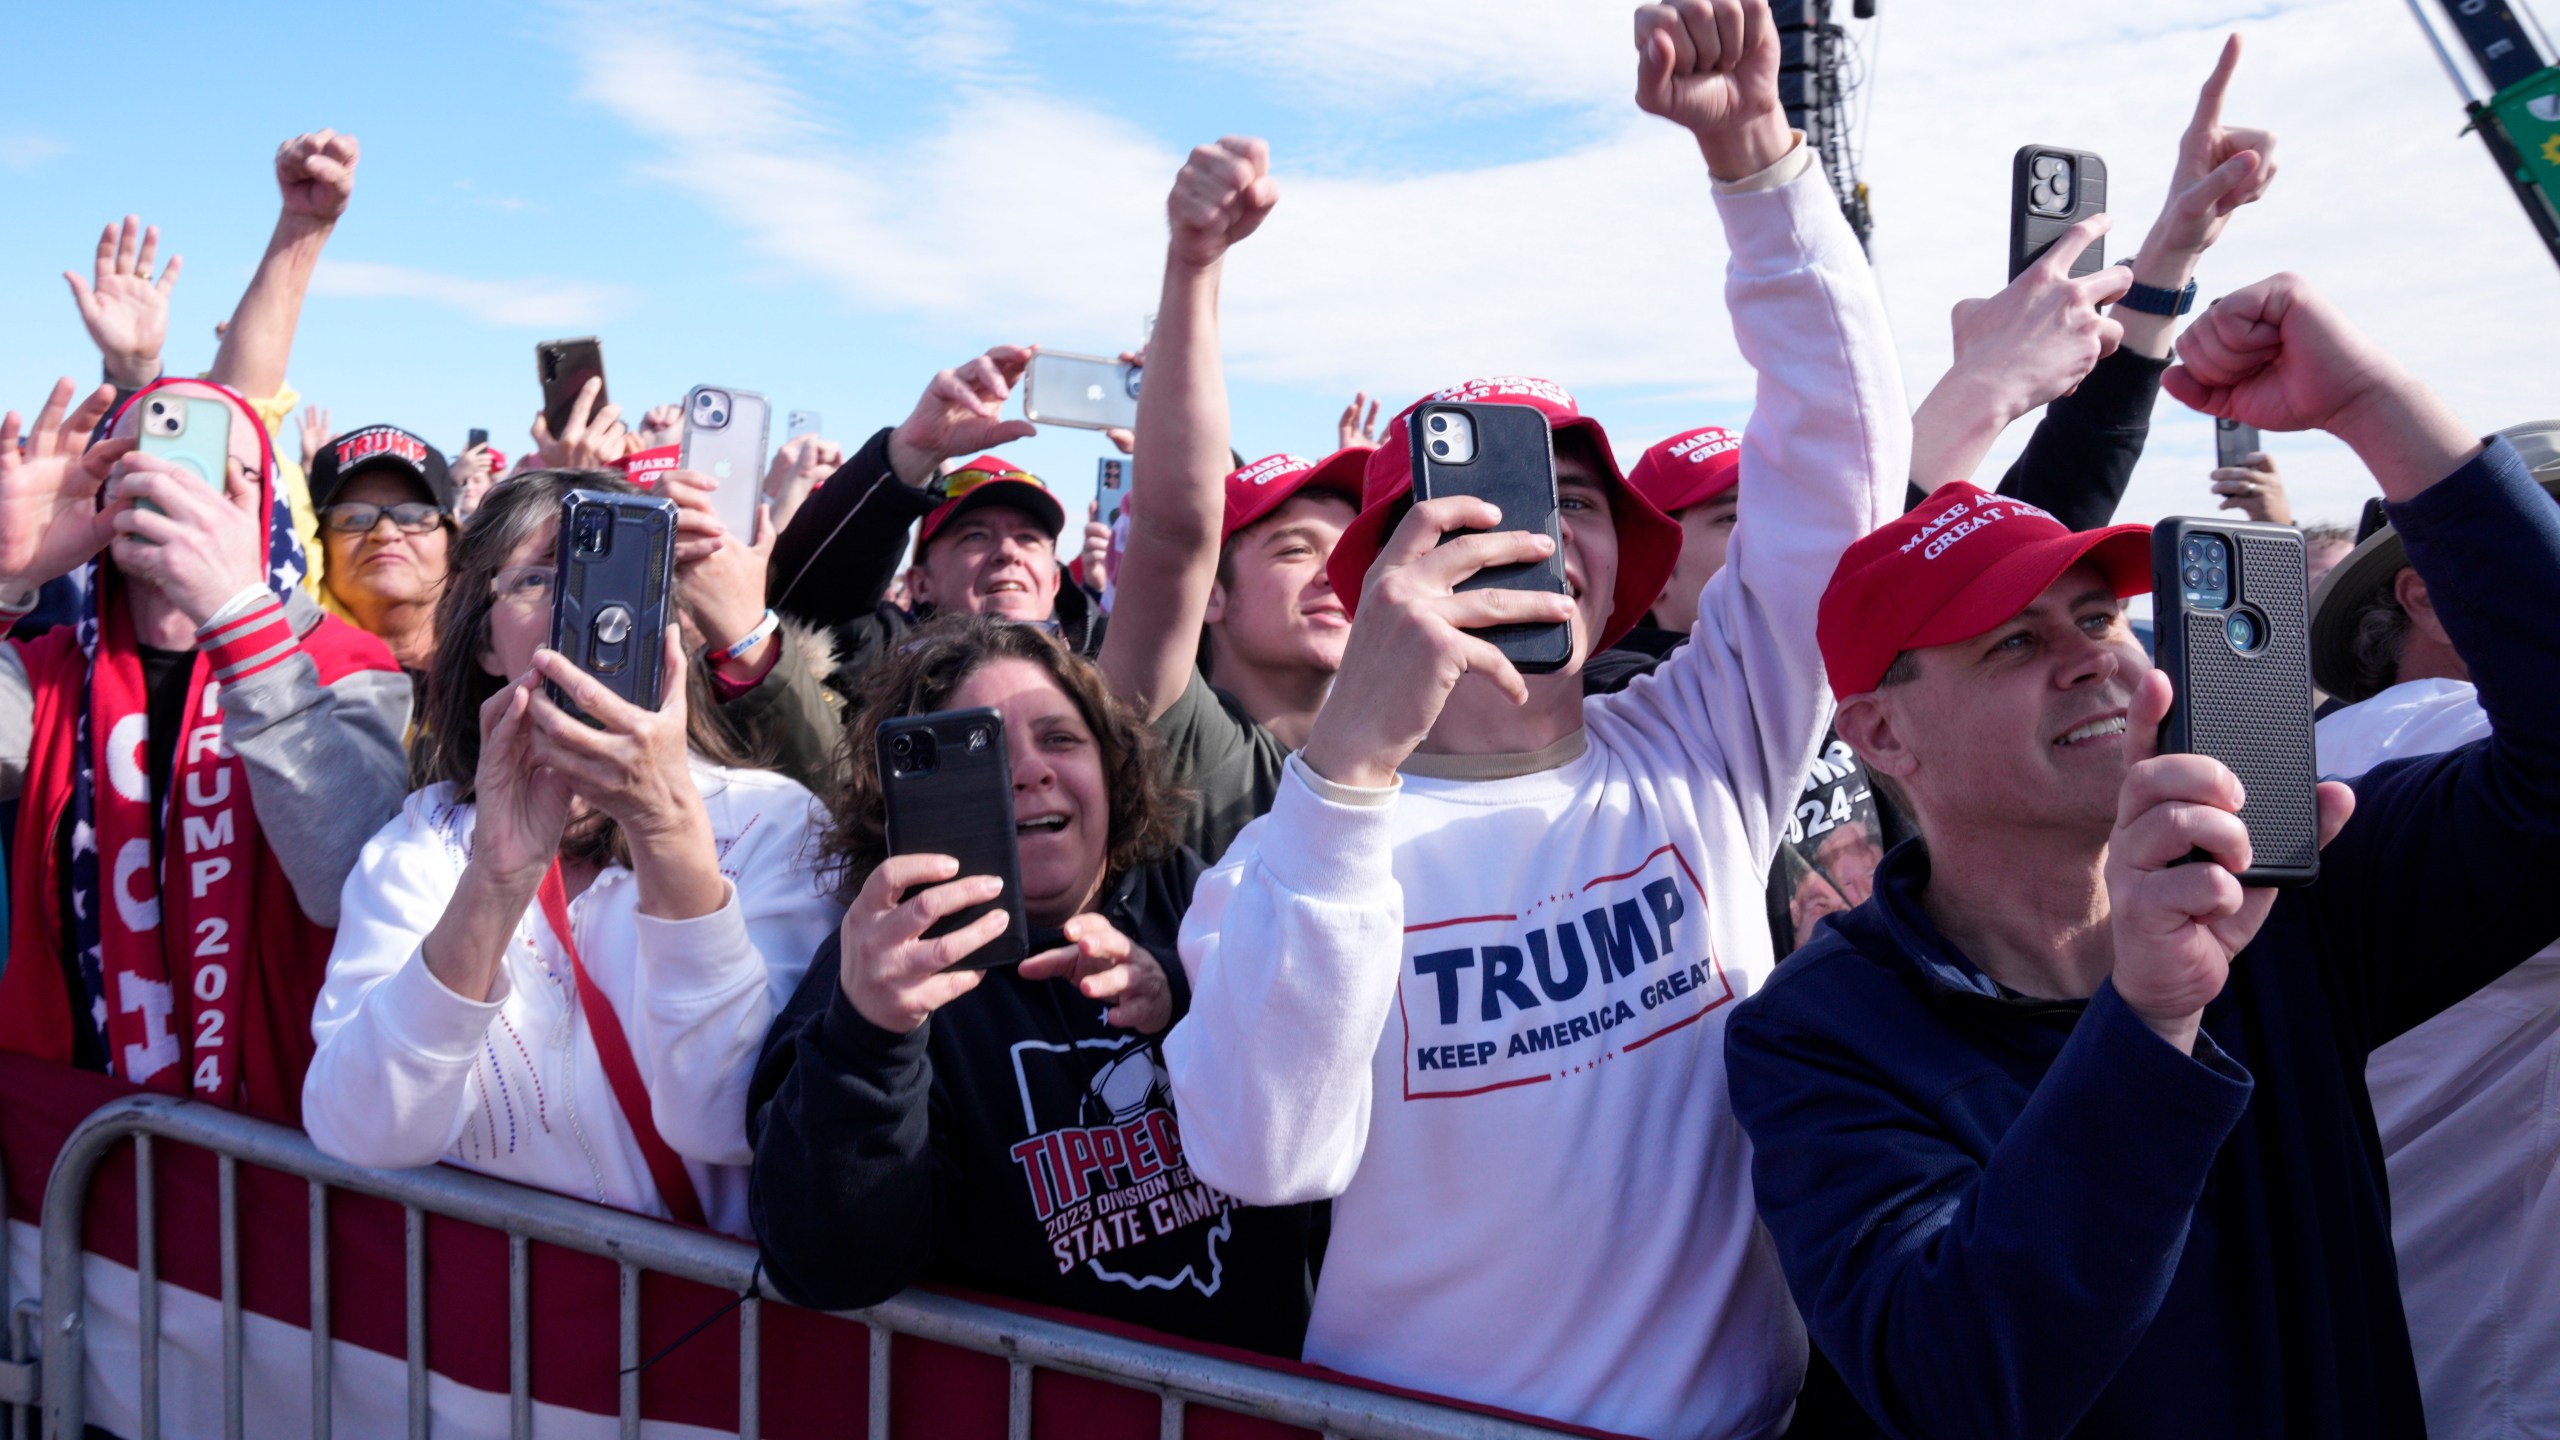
(1780, 171)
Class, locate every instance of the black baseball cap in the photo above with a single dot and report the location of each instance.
(379, 447)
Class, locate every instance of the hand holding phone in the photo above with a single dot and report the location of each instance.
(565, 367)
(1504, 454)
(946, 789)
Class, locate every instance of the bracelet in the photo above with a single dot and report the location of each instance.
(744, 643)
(2158, 300)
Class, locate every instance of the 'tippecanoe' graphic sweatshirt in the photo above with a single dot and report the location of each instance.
(1485, 1011)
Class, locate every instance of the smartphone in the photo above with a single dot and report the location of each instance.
(565, 367)
(1505, 454)
(1111, 486)
(946, 788)
(191, 432)
(2051, 190)
(610, 605)
(724, 435)
(1085, 391)
(2233, 442)
(2231, 620)
(804, 422)
(477, 438)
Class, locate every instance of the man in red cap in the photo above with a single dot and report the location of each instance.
(1469, 977)
(987, 543)
(1689, 477)
(1226, 576)
(2064, 1131)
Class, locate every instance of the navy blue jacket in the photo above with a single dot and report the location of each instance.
(2016, 1217)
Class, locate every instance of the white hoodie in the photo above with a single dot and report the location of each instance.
(1487, 1014)
(409, 1073)
(2469, 1109)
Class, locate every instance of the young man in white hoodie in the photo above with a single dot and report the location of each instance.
(1469, 977)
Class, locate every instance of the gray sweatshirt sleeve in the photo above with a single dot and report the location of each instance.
(326, 763)
(17, 722)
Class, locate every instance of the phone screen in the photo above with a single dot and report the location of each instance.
(1111, 486)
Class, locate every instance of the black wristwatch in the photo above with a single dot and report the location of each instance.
(2152, 300)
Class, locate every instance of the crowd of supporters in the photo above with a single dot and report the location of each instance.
(1819, 1007)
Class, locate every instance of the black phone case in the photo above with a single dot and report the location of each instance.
(2031, 234)
(961, 805)
(1514, 468)
(2233, 442)
(2252, 711)
(610, 608)
(565, 366)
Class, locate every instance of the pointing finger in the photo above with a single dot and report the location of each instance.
(2209, 100)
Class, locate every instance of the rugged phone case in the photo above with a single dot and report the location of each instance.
(946, 786)
(610, 607)
(1515, 468)
(2251, 710)
(190, 432)
(564, 367)
(2031, 233)
(726, 442)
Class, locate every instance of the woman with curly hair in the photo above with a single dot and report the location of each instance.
(1008, 1130)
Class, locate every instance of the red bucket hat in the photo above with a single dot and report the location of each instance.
(1648, 540)
(992, 480)
(1959, 565)
(1690, 468)
(1256, 490)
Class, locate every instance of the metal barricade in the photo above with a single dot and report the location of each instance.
(639, 1245)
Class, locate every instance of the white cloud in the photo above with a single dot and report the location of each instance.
(541, 304)
(21, 150)
(1026, 216)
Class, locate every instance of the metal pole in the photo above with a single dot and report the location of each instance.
(227, 1191)
(414, 1265)
(323, 1390)
(2444, 57)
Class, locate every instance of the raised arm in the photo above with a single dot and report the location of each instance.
(1828, 446)
(317, 175)
(1222, 194)
(836, 558)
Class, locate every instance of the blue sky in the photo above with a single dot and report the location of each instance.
(825, 200)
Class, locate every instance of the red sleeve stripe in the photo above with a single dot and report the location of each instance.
(254, 642)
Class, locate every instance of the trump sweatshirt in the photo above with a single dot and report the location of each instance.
(1485, 1011)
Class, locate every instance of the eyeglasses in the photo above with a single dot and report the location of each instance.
(355, 517)
(527, 585)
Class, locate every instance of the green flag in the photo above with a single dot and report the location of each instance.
(2529, 111)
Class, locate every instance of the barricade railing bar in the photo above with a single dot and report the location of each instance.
(639, 1245)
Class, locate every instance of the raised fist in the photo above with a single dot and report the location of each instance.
(2279, 356)
(1712, 66)
(1221, 195)
(317, 174)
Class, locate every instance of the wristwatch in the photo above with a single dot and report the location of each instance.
(2152, 300)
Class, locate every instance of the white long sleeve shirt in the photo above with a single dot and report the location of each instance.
(1486, 1015)
(409, 1073)
(2468, 1106)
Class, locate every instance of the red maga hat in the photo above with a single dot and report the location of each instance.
(992, 480)
(1691, 468)
(1961, 564)
(1648, 540)
(1256, 490)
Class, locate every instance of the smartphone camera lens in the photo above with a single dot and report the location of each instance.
(1440, 448)
(904, 747)
(2244, 631)
(590, 532)
(2195, 576)
(1439, 424)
